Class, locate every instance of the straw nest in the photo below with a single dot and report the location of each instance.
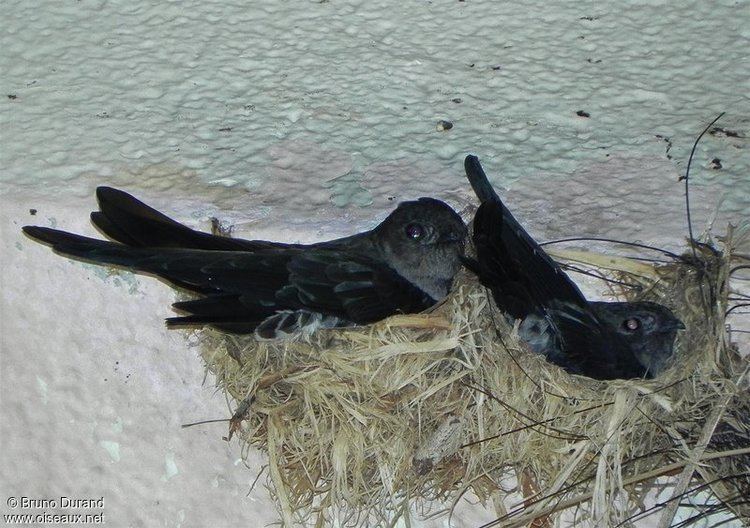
(363, 424)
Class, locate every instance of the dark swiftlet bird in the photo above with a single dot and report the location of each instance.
(404, 265)
(601, 340)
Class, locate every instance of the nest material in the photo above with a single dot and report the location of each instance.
(364, 423)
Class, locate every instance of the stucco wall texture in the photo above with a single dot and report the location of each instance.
(301, 121)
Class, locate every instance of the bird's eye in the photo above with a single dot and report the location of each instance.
(414, 231)
(632, 324)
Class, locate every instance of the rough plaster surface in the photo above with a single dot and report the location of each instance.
(301, 121)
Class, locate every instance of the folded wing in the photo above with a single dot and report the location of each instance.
(244, 288)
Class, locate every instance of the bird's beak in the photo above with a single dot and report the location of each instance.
(678, 325)
(451, 236)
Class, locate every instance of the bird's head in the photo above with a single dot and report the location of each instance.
(649, 328)
(423, 240)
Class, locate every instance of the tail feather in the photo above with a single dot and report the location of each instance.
(100, 251)
(225, 312)
(211, 319)
(234, 325)
(126, 219)
(111, 230)
(214, 305)
(180, 267)
(67, 243)
(130, 221)
(227, 305)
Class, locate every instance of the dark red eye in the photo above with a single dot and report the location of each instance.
(414, 231)
(632, 324)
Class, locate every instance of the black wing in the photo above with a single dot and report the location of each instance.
(512, 259)
(243, 288)
(331, 282)
(130, 221)
(479, 181)
(525, 281)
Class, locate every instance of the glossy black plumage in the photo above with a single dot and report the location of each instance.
(124, 218)
(589, 338)
(278, 288)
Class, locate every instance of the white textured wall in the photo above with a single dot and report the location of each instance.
(306, 120)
